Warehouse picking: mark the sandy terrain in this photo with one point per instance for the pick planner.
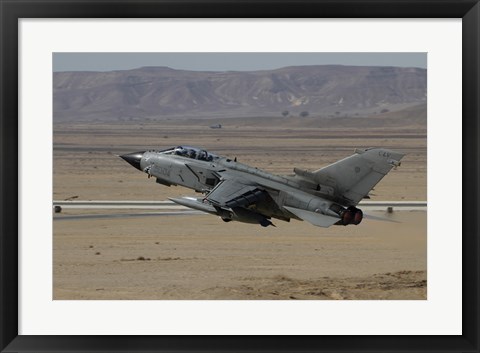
(201, 257)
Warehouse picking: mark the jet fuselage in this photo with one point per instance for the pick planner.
(236, 191)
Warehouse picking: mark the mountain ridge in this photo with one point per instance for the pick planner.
(156, 92)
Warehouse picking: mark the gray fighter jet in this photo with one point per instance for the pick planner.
(235, 191)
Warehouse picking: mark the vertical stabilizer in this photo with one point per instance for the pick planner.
(353, 177)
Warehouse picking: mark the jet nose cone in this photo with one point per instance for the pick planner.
(134, 158)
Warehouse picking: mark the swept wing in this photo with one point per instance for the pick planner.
(235, 192)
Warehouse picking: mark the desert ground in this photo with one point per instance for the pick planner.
(201, 257)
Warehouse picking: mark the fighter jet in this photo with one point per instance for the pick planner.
(238, 192)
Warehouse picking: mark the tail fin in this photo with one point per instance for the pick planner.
(353, 177)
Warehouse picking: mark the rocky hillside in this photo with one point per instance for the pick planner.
(157, 92)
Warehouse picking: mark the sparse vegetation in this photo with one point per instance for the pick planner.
(141, 258)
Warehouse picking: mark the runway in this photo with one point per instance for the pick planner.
(125, 215)
(169, 208)
(166, 204)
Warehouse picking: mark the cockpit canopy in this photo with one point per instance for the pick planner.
(191, 152)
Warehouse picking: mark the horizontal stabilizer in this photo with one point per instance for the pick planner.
(316, 219)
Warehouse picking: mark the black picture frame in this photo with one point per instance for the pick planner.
(12, 10)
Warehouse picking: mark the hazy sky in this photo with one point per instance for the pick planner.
(228, 61)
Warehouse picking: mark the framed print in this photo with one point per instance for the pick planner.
(98, 256)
